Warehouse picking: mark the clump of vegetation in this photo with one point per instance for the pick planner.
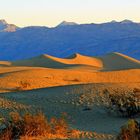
(130, 131)
(36, 126)
(115, 101)
(124, 104)
(23, 85)
(29, 125)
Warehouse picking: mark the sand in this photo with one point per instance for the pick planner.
(118, 61)
(57, 85)
(54, 62)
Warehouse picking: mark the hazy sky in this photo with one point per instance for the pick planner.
(52, 12)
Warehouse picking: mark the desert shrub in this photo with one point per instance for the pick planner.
(36, 126)
(33, 125)
(123, 104)
(23, 85)
(6, 134)
(59, 126)
(130, 131)
(136, 90)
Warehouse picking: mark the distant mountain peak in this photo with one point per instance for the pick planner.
(66, 23)
(126, 21)
(5, 27)
(2, 21)
(113, 21)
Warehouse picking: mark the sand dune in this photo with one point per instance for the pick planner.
(70, 91)
(109, 62)
(46, 77)
(4, 63)
(118, 61)
(54, 62)
(48, 71)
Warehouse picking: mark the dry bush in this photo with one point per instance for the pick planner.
(34, 125)
(119, 102)
(23, 85)
(130, 131)
(124, 104)
(59, 126)
(136, 90)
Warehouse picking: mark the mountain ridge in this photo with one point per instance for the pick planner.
(87, 39)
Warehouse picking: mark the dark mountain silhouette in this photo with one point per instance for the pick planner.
(61, 41)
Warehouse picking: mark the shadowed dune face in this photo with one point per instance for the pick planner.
(117, 61)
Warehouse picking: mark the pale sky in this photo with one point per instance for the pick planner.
(52, 12)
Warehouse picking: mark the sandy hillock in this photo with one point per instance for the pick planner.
(4, 63)
(109, 62)
(118, 61)
(48, 61)
(70, 85)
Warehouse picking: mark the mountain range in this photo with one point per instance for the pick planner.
(68, 38)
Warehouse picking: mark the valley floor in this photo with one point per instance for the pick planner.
(68, 89)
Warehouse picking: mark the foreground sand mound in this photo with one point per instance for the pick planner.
(118, 61)
(54, 62)
(4, 63)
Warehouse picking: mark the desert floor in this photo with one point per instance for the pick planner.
(56, 85)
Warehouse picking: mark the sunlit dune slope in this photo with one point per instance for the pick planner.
(46, 77)
(54, 62)
(4, 63)
(48, 71)
(118, 61)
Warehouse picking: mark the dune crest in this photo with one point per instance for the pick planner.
(118, 61)
(113, 61)
(54, 62)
